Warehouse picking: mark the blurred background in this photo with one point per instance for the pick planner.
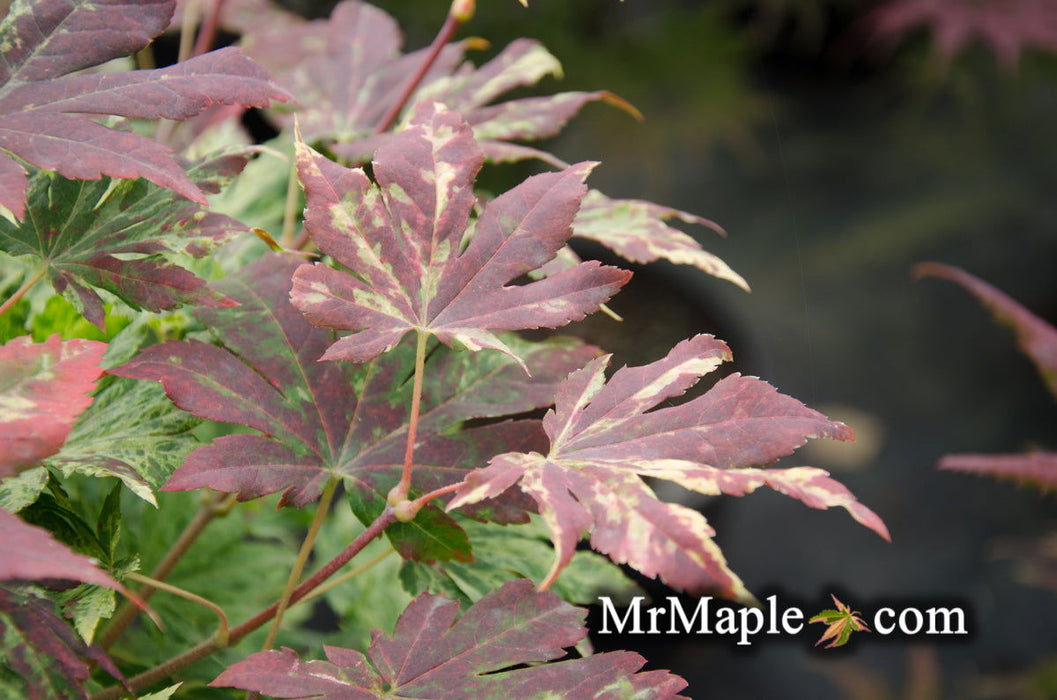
(839, 142)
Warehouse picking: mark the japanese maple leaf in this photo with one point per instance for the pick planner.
(43, 387)
(313, 420)
(1038, 340)
(840, 623)
(1009, 26)
(114, 235)
(43, 656)
(636, 230)
(412, 264)
(46, 106)
(497, 649)
(347, 72)
(604, 438)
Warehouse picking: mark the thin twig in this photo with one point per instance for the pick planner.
(286, 237)
(21, 291)
(208, 34)
(460, 13)
(217, 505)
(302, 559)
(347, 576)
(212, 645)
(154, 584)
(400, 491)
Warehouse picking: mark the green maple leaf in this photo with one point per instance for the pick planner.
(840, 623)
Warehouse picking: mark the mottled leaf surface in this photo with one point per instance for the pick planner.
(638, 231)
(43, 387)
(347, 71)
(604, 438)
(1009, 27)
(115, 235)
(132, 432)
(44, 659)
(431, 654)
(313, 420)
(46, 108)
(409, 265)
(1036, 337)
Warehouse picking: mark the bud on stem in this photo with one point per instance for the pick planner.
(462, 10)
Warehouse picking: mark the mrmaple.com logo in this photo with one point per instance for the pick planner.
(746, 625)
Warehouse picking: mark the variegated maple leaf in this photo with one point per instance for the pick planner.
(117, 234)
(348, 71)
(414, 263)
(604, 438)
(313, 420)
(43, 655)
(636, 230)
(45, 102)
(496, 650)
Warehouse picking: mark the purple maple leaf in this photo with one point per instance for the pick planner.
(431, 654)
(347, 71)
(411, 262)
(314, 420)
(604, 438)
(49, 660)
(46, 107)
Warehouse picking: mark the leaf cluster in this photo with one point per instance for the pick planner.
(246, 411)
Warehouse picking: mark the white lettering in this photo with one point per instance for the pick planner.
(947, 614)
(633, 612)
(676, 608)
(653, 613)
(744, 614)
(793, 613)
(920, 620)
(726, 624)
(883, 629)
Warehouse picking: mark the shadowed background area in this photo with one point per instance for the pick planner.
(836, 161)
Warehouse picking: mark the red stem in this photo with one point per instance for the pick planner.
(426, 498)
(208, 33)
(412, 423)
(447, 31)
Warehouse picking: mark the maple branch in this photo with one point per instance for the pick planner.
(461, 12)
(212, 645)
(347, 576)
(21, 291)
(218, 505)
(302, 559)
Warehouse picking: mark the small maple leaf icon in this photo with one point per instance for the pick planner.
(840, 623)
